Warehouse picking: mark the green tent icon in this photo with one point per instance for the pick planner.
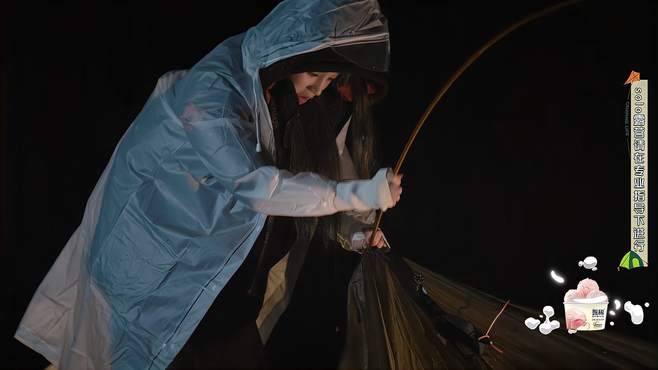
(631, 260)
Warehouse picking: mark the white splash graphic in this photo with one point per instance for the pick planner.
(617, 304)
(548, 326)
(636, 312)
(646, 304)
(557, 278)
(532, 323)
(612, 323)
(612, 313)
(588, 263)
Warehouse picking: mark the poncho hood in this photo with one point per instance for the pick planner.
(297, 36)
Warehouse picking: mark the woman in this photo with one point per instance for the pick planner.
(187, 192)
(306, 139)
(310, 332)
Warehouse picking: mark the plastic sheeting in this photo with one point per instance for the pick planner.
(185, 196)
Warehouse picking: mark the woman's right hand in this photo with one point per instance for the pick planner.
(382, 192)
(395, 186)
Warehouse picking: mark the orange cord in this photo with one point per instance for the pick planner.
(486, 335)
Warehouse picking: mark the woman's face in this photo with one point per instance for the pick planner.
(311, 84)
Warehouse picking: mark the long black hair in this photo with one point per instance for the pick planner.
(306, 139)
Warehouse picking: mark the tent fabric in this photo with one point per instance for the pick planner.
(388, 328)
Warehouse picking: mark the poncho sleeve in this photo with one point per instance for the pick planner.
(220, 129)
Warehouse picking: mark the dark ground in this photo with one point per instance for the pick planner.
(522, 167)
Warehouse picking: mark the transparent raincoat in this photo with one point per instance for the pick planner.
(186, 194)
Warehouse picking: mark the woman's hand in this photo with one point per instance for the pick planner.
(395, 186)
(379, 241)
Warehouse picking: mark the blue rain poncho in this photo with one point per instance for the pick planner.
(186, 194)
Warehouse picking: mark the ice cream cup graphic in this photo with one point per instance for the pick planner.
(586, 307)
(586, 314)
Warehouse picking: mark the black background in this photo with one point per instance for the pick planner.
(522, 167)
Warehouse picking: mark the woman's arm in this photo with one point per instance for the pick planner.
(223, 139)
(274, 191)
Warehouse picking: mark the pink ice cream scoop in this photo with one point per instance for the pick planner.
(587, 286)
(575, 319)
(573, 294)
